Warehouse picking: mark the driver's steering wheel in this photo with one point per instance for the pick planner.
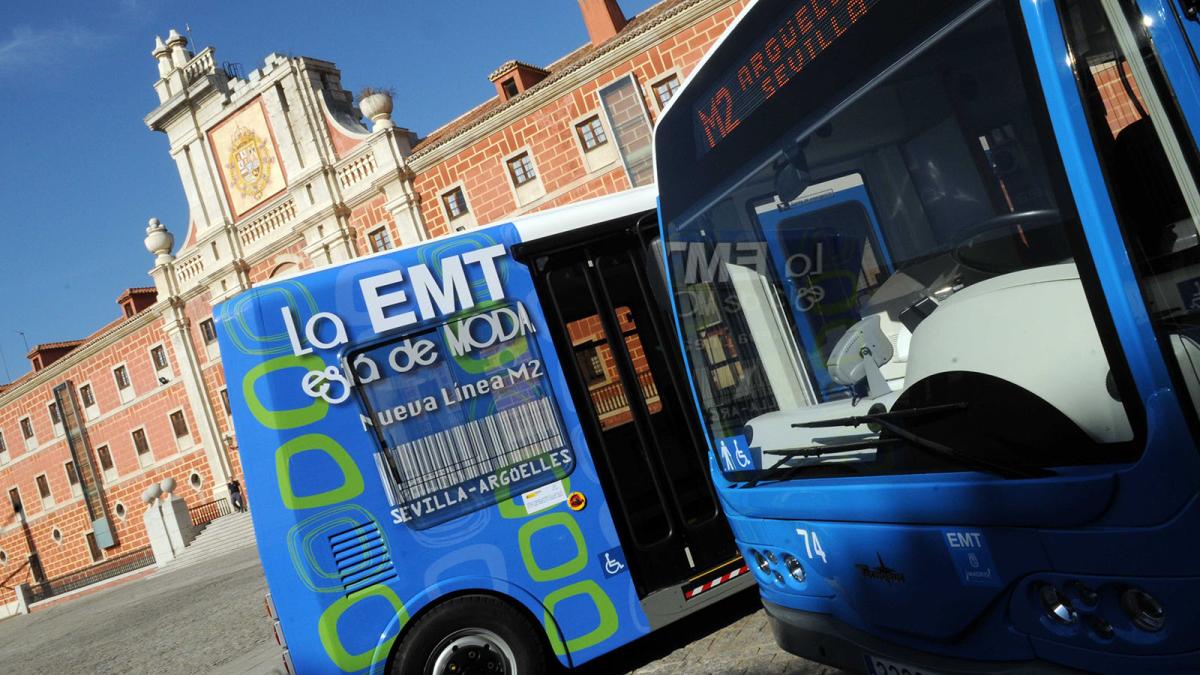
(1011, 223)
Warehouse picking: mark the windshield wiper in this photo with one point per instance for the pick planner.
(886, 420)
(869, 418)
(778, 470)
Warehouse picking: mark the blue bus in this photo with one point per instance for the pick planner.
(476, 454)
(936, 272)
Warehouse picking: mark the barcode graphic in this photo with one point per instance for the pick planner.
(473, 449)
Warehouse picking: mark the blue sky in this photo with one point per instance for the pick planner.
(80, 173)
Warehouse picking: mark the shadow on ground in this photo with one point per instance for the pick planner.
(729, 637)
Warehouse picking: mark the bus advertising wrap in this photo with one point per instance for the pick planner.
(404, 418)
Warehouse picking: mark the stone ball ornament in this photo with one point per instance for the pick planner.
(151, 493)
(159, 241)
(167, 485)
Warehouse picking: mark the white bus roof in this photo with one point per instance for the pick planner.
(589, 212)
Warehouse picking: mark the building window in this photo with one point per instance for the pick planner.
(43, 487)
(14, 498)
(380, 241)
(225, 401)
(85, 395)
(208, 331)
(629, 123)
(521, 169)
(591, 133)
(591, 365)
(93, 549)
(179, 424)
(3, 451)
(510, 88)
(106, 462)
(72, 477)
(455, 202)
(55, 418)
(158, 356)
(664, 89)
(121, 375)
(27, 428)
(141, 446)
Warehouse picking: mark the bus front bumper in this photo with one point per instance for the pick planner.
(824, 639)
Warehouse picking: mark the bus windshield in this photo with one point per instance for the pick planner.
(931, 183)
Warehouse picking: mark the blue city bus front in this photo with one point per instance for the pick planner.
(936, 273)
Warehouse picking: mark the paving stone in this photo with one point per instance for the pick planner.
(208, 619)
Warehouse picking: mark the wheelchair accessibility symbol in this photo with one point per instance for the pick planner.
(612, 562)
(736, 456)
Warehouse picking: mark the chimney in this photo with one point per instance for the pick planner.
(603, 18)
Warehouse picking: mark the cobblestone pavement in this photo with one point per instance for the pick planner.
(202, 619)
(209, 619)
(731, 638)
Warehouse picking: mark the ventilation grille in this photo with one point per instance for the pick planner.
(362, 557)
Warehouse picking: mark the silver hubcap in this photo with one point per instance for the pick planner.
(472, 651)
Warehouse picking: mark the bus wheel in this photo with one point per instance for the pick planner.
(471, 635)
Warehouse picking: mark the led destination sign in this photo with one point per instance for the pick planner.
(807, 29)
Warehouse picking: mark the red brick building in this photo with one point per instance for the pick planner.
(282, 173)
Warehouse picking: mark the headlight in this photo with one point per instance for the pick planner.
(1144, 610)
(1102, 627)
(1086, 594)
(793, 567)
(1057, 607)
(760, 562)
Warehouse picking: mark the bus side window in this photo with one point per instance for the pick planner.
(1149, 164)
(463, 415)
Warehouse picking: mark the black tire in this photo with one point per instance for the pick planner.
(472, 632)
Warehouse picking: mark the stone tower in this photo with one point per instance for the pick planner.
(269, 162)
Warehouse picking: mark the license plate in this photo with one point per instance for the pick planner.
(878, 666)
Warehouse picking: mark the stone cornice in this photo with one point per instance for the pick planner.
(157, 119)
(97, 343)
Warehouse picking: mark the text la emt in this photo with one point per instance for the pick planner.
(386, 293)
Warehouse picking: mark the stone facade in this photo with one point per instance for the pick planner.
(281, 173)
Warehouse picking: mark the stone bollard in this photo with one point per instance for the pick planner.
(156, 529)
(24, 593)
(176, 519)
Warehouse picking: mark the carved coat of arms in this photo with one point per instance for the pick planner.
(249, 163)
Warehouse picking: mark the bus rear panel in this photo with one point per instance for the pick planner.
(409, 432)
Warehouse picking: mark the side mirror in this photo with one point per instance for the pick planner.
(792, 176)
(859, 354)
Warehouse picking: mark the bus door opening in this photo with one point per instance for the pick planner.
(624, 368)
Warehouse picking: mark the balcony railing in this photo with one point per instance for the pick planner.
(101, 571)
(202, 64)
(356, 170)
(190, 267)
(203, 514)
(255, 231)
(611, 398)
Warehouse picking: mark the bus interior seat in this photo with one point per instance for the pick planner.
(1147, 192)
